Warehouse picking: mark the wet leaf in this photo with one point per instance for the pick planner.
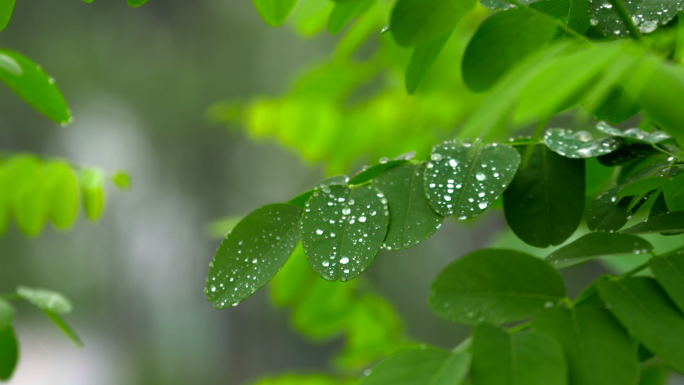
(495, 286)
(597, 245)
(45, 299)
(634, 133)
(598, 349)
(32, 84)
(501, 358)
(665, 223)
(412, 218)
(578, 144)
(424, 56)
(274, 12)
(343, 230)
(628, 153)
(9, 353)
(6, 314)
(420, 367)
(494, 50)
(372, 172)
(572, 13)
(6, 7)
(544, 204)
(647, 15)
(669, 271)
(462, 180)
(252, 253)
(643, 307)
(342, 14)
(416, 22)
(336, 180)
(607, 212)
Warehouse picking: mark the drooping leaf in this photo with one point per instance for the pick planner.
(653, 137)
(597, 245)
(372, 172)
(494, 49)
(62, 194)
(416, 22)
(46, 299)
(669, 271)
(6, 314)
(92, 192)
(252, 253)
(6, 7)
(572, 13)
(412, 218)
(9, 353)
(343, 230)
(343, 12)
(598, 349)
(578, 144)
(274, 12)
(665, 223)
(66, 329)
(642, 186)
(33, 85)
(462, 180)
(545, 202)
(420, 367)
(495, 286)
(501, 358)
(424, 56)
(643, 307)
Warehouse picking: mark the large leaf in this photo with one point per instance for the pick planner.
(495, 286)
(46, 299)
(462, 180)
(30, 82)
(598, 349)
(422, 59)
(501, 358)
(412, 218)
(343, 229)
(669, 271)
(665, 223)
(420, 367)
(572, 13)
(644, 308)
(6, 314)
(545, 202)
(6, 7)
(597, 245)
(415, 22)
(9, 353)
(578, 144)
(252, 253)
(274, 12)
(502, 41)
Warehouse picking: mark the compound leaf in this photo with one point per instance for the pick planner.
(597, 245)
(420, 367)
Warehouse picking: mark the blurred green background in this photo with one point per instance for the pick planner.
(139, 82)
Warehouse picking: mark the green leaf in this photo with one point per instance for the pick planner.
(572, 13)
(500, 358)
(424, 56)
(45, 299)
(579, 144)
(679, 51)
(336, 180)
(324, 311)
(274, 12)
(544, 204)
(343, 12)
(122, 180)
(628, 153)
(301, 199)
(420, 367)
(416, 22)
(597, 176)
(26, 193)
(642, 186)
(92, 192)
(653, 137)
(221, 227)
(495, 286)
(614, 108)
(136, 3)
(654, 375)
(665, 223)
(676, 185)
(68, 331)
(6, 7)
(647, 15)
(295, 379)
(597, 245)
(6, 314)
(62, 194)
(9, 353)
(669, 271)
(293, 281)
(33, 85)
(252, 253)
(598, 349)
(494, 49)
(462, 180)
(372, 172)
(5, 200)
(641, 305)
(412, 218)
(343, 230)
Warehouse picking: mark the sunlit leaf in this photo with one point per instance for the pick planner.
(324, 310)
(6, 7)
(597, 245)
(9, 353)
(343, 12)
(634, 133)
(122, 180)
(415, 22)
(92, 192)
(274, 12)
(616, 107)
(61, 193)
(419, 367)
(295, 379)
(578, 144)
(26, 194)
(46, 299)
(252, 253)
(495, 286)
(665, 223)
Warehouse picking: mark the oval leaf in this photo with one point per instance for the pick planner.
(274, 12)
(343, 230)
(462, 180)
(669, 271)
(252, 253)
(495, 286)
(6, 314)
(420, 367)
(6, 8)
(26, 193)
(423, 58)
(578, 144)
(642, 186)
(634, 133)
(415, 22)
(597, 245)
(412, 218)
(92, 192)
(9, 353)
(62, 194)
(666, 223)
(372, 172)
(136, 3)
(45, 299)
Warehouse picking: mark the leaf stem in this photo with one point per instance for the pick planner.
(530, 147)
(626, 19)
(558, 22)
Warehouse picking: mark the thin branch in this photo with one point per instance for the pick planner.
(626, 19)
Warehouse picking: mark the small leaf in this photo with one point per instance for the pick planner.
(500, 358)
(252, 253)
(92, 192)
(26, 193)
(669, 271)
(343, 230)
(136, 3)
(274, 12)
(424, 56)
(295, 379)
(6, 7)
(642, 186)
(6, 314)
(641, 305)
(9, 353)
(462, 180)
(416, 22)
(634, 133)
(294, 281)
(545, 202)
(412, 218)
(59, 322)
(665, 223)
(33, 85)
(46, 299)
(324, 311)
(598, 349)
(579, 144)
(494, 50)
(597, 245)
(495, 286)
(62, 194)
(420, 367)
(122, 180)
(372, 172)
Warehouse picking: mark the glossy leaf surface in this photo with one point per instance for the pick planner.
(46, 299)
(597, 245)
(578, 144)
(420, 367)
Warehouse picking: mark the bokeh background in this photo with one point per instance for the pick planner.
(140, 82)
